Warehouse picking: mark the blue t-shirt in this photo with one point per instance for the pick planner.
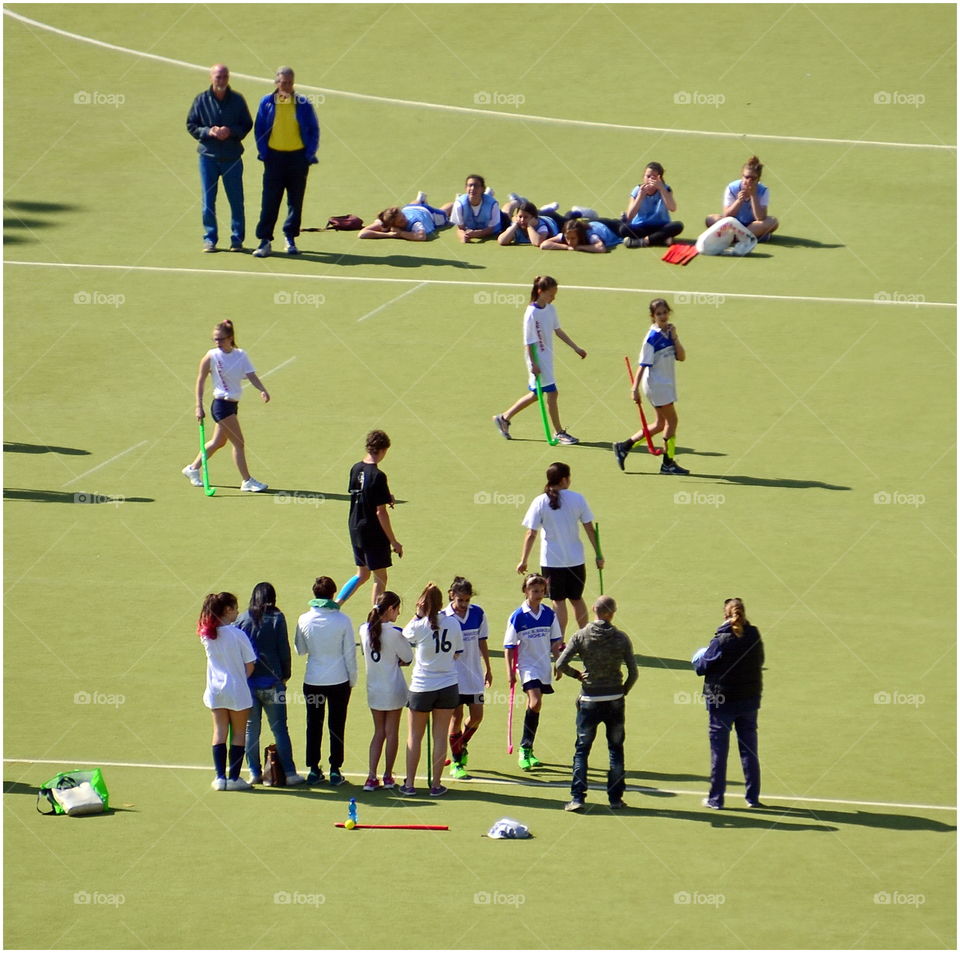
(652, 210)
(745, 212)
(419, 219)
(545, 226)
(604, 233)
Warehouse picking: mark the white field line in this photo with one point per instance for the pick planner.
(881, 302)
(105, 462)
(387, 304)
(505, 782)
(489, 113)
(273, 370)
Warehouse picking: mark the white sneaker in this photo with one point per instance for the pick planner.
(421, 198)
(561, 436)
(294, 779)
(291, 247)
(238, 785)
(252, 486)
(255, 778)
(262, 250)
(490, 192)
(552, 207)
(584, 212)
(193, 475)
(219, 784)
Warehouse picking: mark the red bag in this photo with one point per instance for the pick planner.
(273, 773)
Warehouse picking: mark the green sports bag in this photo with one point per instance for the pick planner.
(74, 792)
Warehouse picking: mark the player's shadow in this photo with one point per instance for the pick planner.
(897, 822)
(347, 260)
(718, 819)
(782, 482)
(306, 497)
(38, 448)
(17, 228)
(793, 241)
(669, 777)
(61, 496)
(657, 661)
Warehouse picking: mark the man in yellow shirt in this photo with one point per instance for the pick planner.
(287, 134)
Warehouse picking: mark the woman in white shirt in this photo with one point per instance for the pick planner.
(384, 651)
(230, 660)
(228, 365)
(325, 636)
(557, 514)
(434, 685)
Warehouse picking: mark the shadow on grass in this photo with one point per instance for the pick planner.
(726, 479)
(38, 448)
(653, 661)
(61, 496)
(346, 260)
(17, 228)
(896, 822)
(793, 241)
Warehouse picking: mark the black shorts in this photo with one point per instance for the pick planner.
(536, 683)
(564, 582)
(439, 698)
(372, 555)
(221, 407)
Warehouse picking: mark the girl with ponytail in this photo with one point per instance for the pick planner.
(434, 685)
(384, 651)
(557, 515)
(540, 324)
(732, 666)
(746, 200)
(230, 660)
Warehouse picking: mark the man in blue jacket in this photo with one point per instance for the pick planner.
(219, 119)
(287, 135)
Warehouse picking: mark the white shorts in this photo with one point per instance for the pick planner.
(660, 393)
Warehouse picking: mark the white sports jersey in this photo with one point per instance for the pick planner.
(659, 357)
(228, 372)
(386, 688)
(539, 326)
(435, 667)
(226, 670)
(560, 543)
(470, 667)
(533, 634)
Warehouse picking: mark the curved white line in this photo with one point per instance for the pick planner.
(469, 110)
(722, 295)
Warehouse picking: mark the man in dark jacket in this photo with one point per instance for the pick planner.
(219, 119)
(603, 649)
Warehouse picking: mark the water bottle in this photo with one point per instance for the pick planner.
(352, 811)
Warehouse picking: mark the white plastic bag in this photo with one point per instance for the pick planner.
(509, 829)
(727, 237)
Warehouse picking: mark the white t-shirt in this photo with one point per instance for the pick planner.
(386, 687)
(227, 656)
(435, 667)
(560, 543)
(539, 326)
(325, 636)
(470, 667)
(228, 372)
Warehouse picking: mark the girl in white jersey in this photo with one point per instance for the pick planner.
(473, 672)
(228, 366)
(230, 660)
(656, 373)
(384, 651)
(434, 685)
(557, 515)
(540, 324)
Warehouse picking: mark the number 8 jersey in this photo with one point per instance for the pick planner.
(434, 667)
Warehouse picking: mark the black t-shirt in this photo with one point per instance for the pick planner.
(368, 490)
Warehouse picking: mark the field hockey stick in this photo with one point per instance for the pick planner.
(656, 451)
(543, 407)
(209, 490)
(596, 529)
(513, 695)
(429, 756)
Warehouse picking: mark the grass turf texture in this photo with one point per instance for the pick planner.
(792, 418)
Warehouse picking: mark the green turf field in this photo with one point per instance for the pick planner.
(816, 417)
